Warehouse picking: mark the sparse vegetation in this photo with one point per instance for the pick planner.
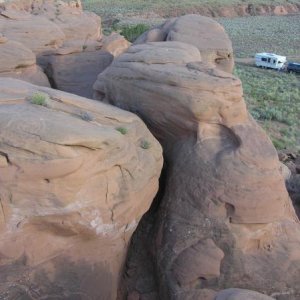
(145, 144)
(39, 99)
(131, 32)
(122, 130)
(278, 34)
(273, 100)
(107, 8)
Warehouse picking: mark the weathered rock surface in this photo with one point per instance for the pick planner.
(223, 217)
(115, 44)
(35, 32)
(17, 61)
(239, 294)
(67, 41)
(214, 44)
(76, 72)
(71, 19)
(291, 161)
(72, 190)
(44, 26)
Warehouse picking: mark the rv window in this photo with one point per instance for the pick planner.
(263, 59)
(269, 59)
(274, 61)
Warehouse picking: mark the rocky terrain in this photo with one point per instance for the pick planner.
(73, 189)
(62, 38)
(162, 187)
(213, 227)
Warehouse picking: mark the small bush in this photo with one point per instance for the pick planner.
(145, 144)
(39, 99)
(132, 32)
(122, 130)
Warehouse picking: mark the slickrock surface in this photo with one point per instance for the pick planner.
(204, 33)
(76, 72)
(44, 26)
(75, 179)
(115, 44)
(222, 217)
(67, 41)
(17, 61)
(239, 294)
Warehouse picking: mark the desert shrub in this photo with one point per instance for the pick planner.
(132, 32)
(145, 144)
(39, 99)
(122, 130)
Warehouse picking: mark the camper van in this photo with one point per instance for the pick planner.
(270, 60)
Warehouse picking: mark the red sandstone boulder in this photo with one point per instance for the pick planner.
(115, 44)
(17, 61)
(204, 33)
(35, 32)
(71, 19)
(75, 73)
(67, 41)
(75, 180)
(223, 217)
(239, 294)
(44, 26)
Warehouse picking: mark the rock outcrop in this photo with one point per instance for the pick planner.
(239, 294)
(36, 32)
(67, 41)
(115, 44)
(222, 217)
(291, 165)
(76, 72)
(17, 61)
(75, 179)
(214, 44)
(44, 26)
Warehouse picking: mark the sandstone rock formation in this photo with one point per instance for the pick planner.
(214, 45)
(44, 26)
(76, 72)
(239, 294)
(35, 32)
(67, 41)
(115, 44)
(75, 180)
(19, 62)
(291, 161)
(222, 217)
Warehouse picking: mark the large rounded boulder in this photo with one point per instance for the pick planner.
(76, 177)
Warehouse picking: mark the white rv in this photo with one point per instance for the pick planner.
(270, 60)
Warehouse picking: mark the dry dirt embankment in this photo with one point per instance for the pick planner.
(158, 11)
(235, 10)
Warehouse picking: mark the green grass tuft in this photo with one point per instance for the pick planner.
(39, 99)
(132, 32)
(122, 130)
(145, 144)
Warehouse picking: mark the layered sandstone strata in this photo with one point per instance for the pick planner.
(17, 61)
